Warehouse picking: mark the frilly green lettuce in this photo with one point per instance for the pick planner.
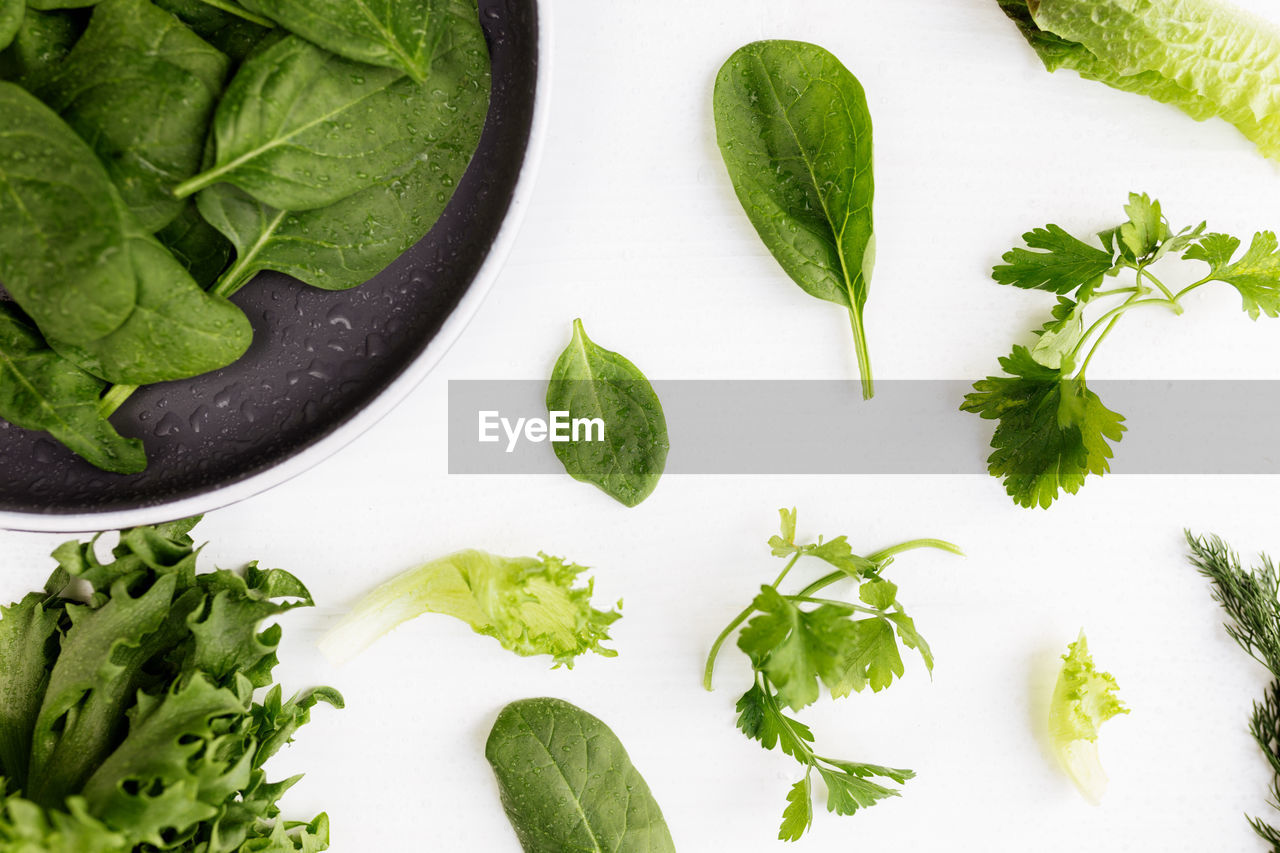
(1083, 700)
(527, 604)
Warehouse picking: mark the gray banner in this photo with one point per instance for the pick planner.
(910, 427)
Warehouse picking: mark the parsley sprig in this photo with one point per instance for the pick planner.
(1053, 431)
(797, 642)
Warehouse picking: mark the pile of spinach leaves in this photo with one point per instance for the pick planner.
(154, 157)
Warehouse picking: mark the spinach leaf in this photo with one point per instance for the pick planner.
(197, 245)
(226, 30)
(402, 34)
(140, 88)
(40, 390)
(62, 245)
(177, 330)
(795, 133)
(40, 45)
(595, 800)
(590, 382)
(11, 15)
(300, 128)
(51, 5)
(347, 243)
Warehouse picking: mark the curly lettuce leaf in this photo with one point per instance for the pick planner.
(528, 604)
(1083, 700)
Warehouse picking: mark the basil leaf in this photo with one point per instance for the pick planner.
(795, 133)
(300, 128)
(401, 34)
(62, 245)
(176, 330)
(42, 391)
(140, 88)
(347, 243)
(590, 382)
(594, 800)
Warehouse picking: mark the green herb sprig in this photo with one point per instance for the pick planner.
(798, 641)
(1053, 431)
(1252, 600)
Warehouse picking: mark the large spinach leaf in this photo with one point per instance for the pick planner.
(62, 252)
(347, 243)
(592, 383)
(300, 128)
(568, 785)
(795, 134)
(41, 390)
(140, 88)
(403, 34)
(177, 330)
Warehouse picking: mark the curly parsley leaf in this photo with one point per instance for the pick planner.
(1059, 264)
(1052, 432)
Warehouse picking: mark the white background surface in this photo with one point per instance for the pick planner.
(633, 227)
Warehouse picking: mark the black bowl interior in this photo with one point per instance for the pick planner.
(317, 357)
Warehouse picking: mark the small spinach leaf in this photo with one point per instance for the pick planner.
(594, 800)
(590, 382)
(347, 243)
(140, 88)
(402, 34)
(795, 133)
(197, 245)
(62, 245)
(40, 390)
(177, 330)
(300, 128)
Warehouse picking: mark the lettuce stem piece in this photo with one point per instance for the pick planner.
(528, 604)
(1083, 700)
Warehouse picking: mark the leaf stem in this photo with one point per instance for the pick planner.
(843, 605)
(235, 277)
(114, 398)
(864, 356)
(240, 12)
(1143, 271)
(879, 557)
(915, 544)
(1193, 286)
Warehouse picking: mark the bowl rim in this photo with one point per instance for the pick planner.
(395, 392)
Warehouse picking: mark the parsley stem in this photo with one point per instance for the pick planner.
(738, 620)
(1192, 286)
(878, 558)
(843, 605)
(1142, 270)
(1113, 292)
(1109, 318)
(914, 544)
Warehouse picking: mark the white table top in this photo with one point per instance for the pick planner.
(633, 226)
